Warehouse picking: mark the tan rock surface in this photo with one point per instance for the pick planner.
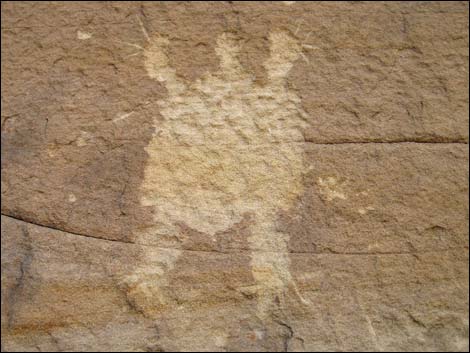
(234, 176)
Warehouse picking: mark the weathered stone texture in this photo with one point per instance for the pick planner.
(235, 176)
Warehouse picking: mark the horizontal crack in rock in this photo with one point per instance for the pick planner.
(63, 230)
(231, 251)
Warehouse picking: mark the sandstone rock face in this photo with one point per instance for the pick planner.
(234, 176)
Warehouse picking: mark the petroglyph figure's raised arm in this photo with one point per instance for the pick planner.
(157, 64)
(285, 50)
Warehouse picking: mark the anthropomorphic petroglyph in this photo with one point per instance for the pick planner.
(226, 147)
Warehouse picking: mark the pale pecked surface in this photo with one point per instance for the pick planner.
(235, 176)
(226, 147)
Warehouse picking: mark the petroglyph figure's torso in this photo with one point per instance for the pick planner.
(226, 147)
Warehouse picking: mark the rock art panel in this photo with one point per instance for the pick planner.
(226, 148)
(234, 176)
